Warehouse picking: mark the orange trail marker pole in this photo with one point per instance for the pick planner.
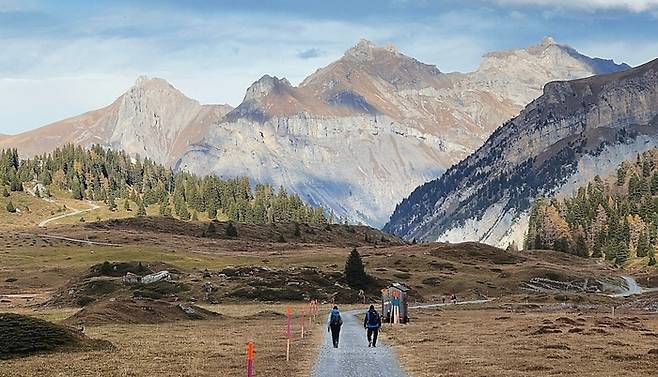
(250, 359)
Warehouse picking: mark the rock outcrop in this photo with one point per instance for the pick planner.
(573, 132)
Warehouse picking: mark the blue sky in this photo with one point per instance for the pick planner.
(61, 58)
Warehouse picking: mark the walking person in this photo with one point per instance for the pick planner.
(372, 322)
(335, 322)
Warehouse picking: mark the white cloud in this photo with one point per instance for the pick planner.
(632, 5)
(211, 58)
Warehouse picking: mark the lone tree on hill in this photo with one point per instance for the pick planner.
(10, 207)
(355, 273)
(231, 231)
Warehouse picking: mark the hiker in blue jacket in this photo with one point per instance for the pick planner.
(335, 322)
(372, 322)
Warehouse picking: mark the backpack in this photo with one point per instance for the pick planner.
(373, 318)
(335, 319)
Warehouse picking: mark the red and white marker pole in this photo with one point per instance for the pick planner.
(250, 359)
(289, 333)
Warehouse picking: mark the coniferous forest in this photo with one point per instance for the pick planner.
(615, 217)
(116, 178)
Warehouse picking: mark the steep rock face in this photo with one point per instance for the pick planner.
(356, 135)
(574, 131)
(152, 119)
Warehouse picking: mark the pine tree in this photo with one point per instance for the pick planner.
(643, 245)
(231, 231)
(298, 232)
(165, 210)
(580, 248)
(355, 274)
(15, 184)
(211, 230)
(141, 210)
(111, 204)
(621, 253)
(5, 193)
(76, 189)
(10, 207)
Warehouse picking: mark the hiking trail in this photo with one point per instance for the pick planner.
(353, 358)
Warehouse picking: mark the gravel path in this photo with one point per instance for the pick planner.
(353, 358)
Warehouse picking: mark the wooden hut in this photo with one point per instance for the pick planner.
(395, 307)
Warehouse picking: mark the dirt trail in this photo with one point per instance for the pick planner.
(92, 207)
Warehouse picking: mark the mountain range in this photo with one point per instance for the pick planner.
(575, 131)
(355, 136)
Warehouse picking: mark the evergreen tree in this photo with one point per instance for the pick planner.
(580, 247)
(231, 230)
(141, 210)
(355, 274)
(211, 230)
(643, 245)
(5, 193)
(165, 210)
(10, 207)
(16, 184)
(76, 189)
(111, 204)
(621, 253)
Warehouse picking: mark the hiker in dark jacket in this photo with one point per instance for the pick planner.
(372, 322)
(335, 322)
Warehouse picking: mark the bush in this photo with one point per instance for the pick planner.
(10, 207)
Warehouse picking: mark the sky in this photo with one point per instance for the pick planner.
(62, 58)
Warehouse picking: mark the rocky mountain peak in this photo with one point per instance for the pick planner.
(547, 41)
(365, 51)
(152, 83)
(266, 85)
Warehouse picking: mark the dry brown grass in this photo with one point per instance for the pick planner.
(497, 342)
(183, 348)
